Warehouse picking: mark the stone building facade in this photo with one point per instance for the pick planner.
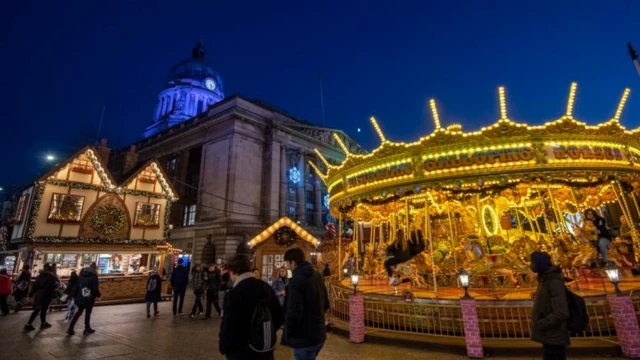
(238, 167)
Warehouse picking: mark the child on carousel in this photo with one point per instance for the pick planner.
(596, 231)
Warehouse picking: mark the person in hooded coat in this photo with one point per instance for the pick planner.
(85, 293)
(42, 292)
(305, 305)
(21, 287)
(550, 308)
(154, 288)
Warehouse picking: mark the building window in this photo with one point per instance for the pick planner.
(189, 215)
(147, 215)
(66, 208)
(22, 208)
(171, 165)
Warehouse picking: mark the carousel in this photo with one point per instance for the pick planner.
(411, 216)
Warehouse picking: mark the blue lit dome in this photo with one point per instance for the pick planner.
(195, 68)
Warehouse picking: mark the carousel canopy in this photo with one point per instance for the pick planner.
(498, 157)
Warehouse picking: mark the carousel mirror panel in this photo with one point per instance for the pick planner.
(66, 208)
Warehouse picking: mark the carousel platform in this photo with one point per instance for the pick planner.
(587, 285)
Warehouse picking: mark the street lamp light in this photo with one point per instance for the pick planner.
(50, 157)
(614, 275)
(464, 282)
(354, 282)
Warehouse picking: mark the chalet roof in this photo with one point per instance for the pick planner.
(285, 221)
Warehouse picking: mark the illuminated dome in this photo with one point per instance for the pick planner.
(192, 86)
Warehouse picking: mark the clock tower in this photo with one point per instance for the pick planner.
(191, 87)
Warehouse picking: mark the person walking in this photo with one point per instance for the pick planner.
(68, 292)
(241, 302)
(213, 280)
(179, 281)
(154, 288)
(85, 293)
(42, 292)
(5, 291)
(199, 284)
(306, 303)
(279, 284)
(550, 308)
(21, 287)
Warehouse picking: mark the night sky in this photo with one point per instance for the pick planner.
(62, 61)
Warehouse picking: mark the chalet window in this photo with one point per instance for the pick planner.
(82, 165)
(22, 208)
(189, 215)
(66, 208)
(147, 176)
(147, 215)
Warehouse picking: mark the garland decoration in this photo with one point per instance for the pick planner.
(285, 236)
(80, 240)
(107, 219)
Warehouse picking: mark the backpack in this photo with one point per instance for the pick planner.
(578, 315)
(23, 285)
(262, 336)
(153, 283)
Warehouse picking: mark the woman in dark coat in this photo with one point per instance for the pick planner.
(154, 288)
(43, 292)
(21, 287)
(550, 308)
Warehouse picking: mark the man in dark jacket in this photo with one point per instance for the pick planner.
(550, 308)
(85, 293)
(21, 287)
(238, 308)
(213, 287)
(179, 282)
(42, 293)
(305, 304)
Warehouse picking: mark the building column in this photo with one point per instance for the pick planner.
(300, 198)
(283, 181)
(163, 106)
(158, 109)
(317, 200)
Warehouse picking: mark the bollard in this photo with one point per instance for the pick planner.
(356, 318)
(626, 322)
(471, 329)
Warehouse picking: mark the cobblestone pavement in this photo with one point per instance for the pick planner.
(124, 332)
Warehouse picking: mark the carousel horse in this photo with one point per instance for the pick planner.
(563, 254)
(370, 265)
(478, 262)
(523, 248)
(587, 253)
(618, 252)
(350, 254)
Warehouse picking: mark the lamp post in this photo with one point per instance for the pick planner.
(614, 276)
(464, 282)
(355, 278)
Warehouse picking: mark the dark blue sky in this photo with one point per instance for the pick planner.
(61, 63)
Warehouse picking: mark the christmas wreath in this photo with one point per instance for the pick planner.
(107, 219)
(285, 236)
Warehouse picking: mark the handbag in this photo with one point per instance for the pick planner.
(64, 298)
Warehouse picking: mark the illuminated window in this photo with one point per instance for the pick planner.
(147, 215)
(189, 215)
(66, 208)
(147, 176)
(22, 208)
(82, 164)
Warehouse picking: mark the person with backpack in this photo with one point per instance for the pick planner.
(42, 292)
(21, 287)
(550, 315)
(199, 285)
(251, 315)
(154, 288)
(85, 293)
(5, 291)
(306, 303)
(213, 288)
(179, 281)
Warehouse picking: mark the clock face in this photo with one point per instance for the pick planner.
(210, 84)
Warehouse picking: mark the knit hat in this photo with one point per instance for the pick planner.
(540, 262)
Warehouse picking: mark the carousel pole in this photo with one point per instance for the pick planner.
(547, 224)
(339, 269)
(453, 238)
(560, 223)
(407, 231)
(356, 238)
(625, 206)
(427, 221)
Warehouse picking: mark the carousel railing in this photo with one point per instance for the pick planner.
(499, 321)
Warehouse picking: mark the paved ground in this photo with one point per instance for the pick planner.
(124, 332)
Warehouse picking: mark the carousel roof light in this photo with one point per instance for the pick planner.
(434, 113)
(571, 100)
(377, 128)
